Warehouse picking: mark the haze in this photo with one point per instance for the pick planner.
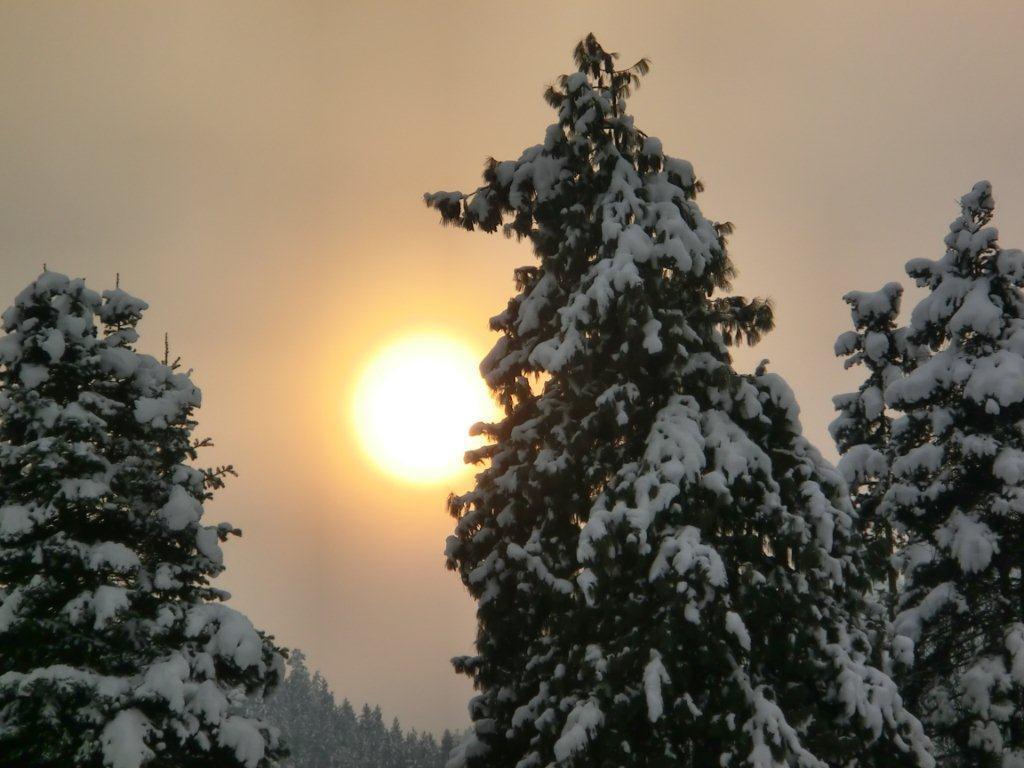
(254, 170)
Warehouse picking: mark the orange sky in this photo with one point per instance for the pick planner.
(254, 170)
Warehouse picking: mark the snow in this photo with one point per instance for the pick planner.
(866, 306)
(876, 345)
(232, 636)
(534, 303)
(119, 361)
(124, 740)
(782, 396)
(652, 147)
(847, 343)
(1009, 466)
(736, 456)
(652, 342)
(164, 577)
(1015, 648)
(1010, 264)
(675, 452)
(119, 306)
(979, 198)
(978, 683)
(33, 375)
(208, 702)
(910, 622)
(181, 510)
(767, 726)
(107, 602)
(77, 607)
(158, 411)
(580, 727)
(112, 555)
(977, 445)
(675, 445)
(903, 650)
(53, 344)
(10, 347)
(243, 738)
(106, 686)
(172, 394)
(535, 565)
(861, 463)
(970, 541)
(468, 749)
(923, 458)
(15, 520)
(681, 168)
(208, 544)
(575, 81)
(821, 512)
(74, 488)
(977, 312)
(74, 413)
(999, 376)
(872, 402)
(655, 676)
(734, 625)
(9, 608)
(874, 698)
(48, 282)
(685, 552)
(166, 680)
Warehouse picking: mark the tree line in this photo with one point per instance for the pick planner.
(322, 733)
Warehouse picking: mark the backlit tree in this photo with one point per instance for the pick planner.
(666, 572)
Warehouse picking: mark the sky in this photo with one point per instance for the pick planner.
(254, 170)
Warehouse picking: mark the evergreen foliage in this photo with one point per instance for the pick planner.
(666, 572)
(862, 430)
(957, 492)
(321, 733)
(116, 649)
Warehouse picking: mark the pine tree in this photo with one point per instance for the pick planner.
(347, 727)
(863, 428)
(323, 734)
(394, 755)
(371, 735)
(116, 649)
(447, 745)
(303, 708)
(666, 572)
(958, 495)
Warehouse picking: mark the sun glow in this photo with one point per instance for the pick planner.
(414, 404)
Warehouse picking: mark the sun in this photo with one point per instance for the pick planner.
(414, 404)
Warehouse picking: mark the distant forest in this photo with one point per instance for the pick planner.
(322, 733)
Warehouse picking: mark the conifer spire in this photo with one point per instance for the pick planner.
(117, 650)
(957, 492)
(666, 572)
(862, 430)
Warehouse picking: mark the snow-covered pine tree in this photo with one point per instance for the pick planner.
(116, 650)
(863, 427)
(958, 494)
(666, 572)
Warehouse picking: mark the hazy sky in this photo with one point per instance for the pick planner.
(254, 170)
